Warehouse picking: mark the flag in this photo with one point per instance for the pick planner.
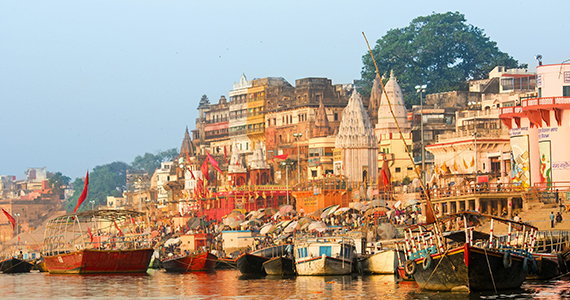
(473, 161)
(133, 220)
(90, 234)
(83, 194)
(214, 163)
(282, 156)
(436, 169)
(189, 169)
(119, 229)
(10, 218)
(465, 164)
(226, 154)
(264, 196)
(430, 216)
(444, 168)
(455, 165)
(204, 169)
(384, 178)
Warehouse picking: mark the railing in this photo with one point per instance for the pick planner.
(474, 189)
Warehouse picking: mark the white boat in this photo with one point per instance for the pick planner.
(381, 261)
(324, 255)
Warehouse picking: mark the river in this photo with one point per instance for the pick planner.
(230, 284)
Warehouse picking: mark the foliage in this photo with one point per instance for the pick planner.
(56, 182)
(150, 162)
(106, 180)
(440, 50)
(292, 163)
(406, 180)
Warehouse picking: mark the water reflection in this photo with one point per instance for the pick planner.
(230, 284)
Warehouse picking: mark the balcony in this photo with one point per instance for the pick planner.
(468, 134)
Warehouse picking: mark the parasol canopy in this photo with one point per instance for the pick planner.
(285, 209)
(318, 226)
(267, 228)
(171, 242)
(291, 227)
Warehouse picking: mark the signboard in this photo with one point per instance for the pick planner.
(482, 179)
(567, 77)
(337, 154)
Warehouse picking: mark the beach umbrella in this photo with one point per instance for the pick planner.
(291, 227)
(267, 228)
(154, 233)
(343, 210)
(318, 226)
(329, 210)
(235, 213)
(270, 211)
(305, 220)
(285, 209)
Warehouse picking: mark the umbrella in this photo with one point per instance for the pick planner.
(235, 213)
(193, 223)
(154, 233)
(251, 222)
(285, 209)
(291, 227)
(267, 228)
(304, 221)
(329, 210)
(318, 226)
(270, 211)
(343, 210)
(171, 242)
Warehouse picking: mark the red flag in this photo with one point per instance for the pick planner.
(226, 154)
(133, 220)
(10, 218)
(214, 163)
(204, 169)
(430, 216)
(189, 170)
(384, 178)
(83, 194)
(90, 234)
(282, 156)
(119, 229)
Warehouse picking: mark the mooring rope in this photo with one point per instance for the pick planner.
(490, 271)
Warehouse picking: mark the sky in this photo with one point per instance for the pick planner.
(87, 83)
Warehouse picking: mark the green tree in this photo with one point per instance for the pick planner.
(57, 182)
(150, 162)
(106, 180)
(440, 50)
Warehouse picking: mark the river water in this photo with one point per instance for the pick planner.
(230, 284)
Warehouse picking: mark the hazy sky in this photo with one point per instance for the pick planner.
(86, 83)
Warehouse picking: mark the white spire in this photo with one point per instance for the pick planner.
(355, 130)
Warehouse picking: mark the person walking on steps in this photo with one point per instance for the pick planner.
(551, 219)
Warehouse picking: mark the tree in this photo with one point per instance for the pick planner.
(150, 162)
(57, 182)
(106, 180)
(440, 50)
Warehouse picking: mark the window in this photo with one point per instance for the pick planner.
(410, 169)
(566, 91)
(398, 170)
(336, 116)
(313, 173)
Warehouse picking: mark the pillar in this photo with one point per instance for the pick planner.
(499, 207)
(510, 207)
(457, 206)
(478, 204)
(449, 210)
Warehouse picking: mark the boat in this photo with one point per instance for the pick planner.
(15, 265)
(204, 261)
(470, 260)
(252, 263)
(381, 261)
(280, 266)
(40, 265)
(330, 255)
(155, 262)
(97, 241)
(547, 267)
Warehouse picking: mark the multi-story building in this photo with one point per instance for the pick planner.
(238, 115)
(539, 130)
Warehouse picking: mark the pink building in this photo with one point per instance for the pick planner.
(540, 130)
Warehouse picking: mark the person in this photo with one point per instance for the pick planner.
(551, 219)
(21, 255)
(558, 217)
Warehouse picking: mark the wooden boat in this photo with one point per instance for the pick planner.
(324, 255)
(101, 241)
(383, 261)
(40, 265)
(279, 266)
(252, 263)
(204, 261)
(477, 261)
(226, 263)
(15, 265)
(546, 267)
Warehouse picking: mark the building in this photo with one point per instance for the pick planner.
(539, 128)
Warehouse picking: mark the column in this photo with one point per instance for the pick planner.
(510, 207)
(499, 207)
(457, 206)
(449, 210)
(478, 204)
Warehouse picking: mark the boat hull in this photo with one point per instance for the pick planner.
(547, 265)
(194, 262)
(90, 261)
(324, 265)
(250, 264)
(384, 262)
(279, 266)
(484, 270)
(14, 265)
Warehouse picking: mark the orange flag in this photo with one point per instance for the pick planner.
(430, 216)
(473, 161)
(465, 164)
(10, 218)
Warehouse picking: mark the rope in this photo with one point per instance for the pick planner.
(434, 269)
(491, 272)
